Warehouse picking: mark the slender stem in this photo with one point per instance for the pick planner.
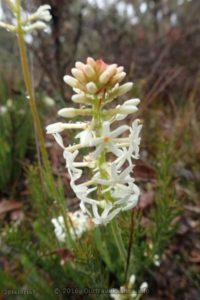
(118, 240)
(129, 246)
(47, 175)
(31, 98)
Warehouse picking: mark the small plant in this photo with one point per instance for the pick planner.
(109, 189)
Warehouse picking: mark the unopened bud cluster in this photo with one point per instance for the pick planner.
(25, 21)
(109, 148)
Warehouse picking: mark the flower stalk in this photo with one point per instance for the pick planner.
(30, 96)
(24, 22)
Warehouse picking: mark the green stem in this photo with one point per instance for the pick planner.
(118, 240)
(47, 175)
(129, 245)
(31, 98)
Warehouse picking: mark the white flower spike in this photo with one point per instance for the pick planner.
(28, 22)
(108, 151)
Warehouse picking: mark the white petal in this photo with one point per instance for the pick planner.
(98, 151)
(118, 131)
(132, 102)
(106, 128)
(114, 149)
(59, 140)
(85, 137)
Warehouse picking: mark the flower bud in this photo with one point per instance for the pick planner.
(79, 98)
(91, 87)
(79, 65)
(118, 77)
(120, 69)
(7, 26)
(70, 81)
(55, 128)
(127, 109)
(78, 74)
(125, 88)
(91, 62)
(42, 13)
(89, 71)
(107, 74)
(132, 102)
(36, 25)
(67, 112)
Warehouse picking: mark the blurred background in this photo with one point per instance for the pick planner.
(158, 43)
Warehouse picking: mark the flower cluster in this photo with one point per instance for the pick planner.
(110, 149)
(127, 292)
(77, 222)
(28, 22)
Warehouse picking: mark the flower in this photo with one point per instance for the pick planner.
(130, 145)
(42, 13)
(74, 172)
(85, 137)
(107, 153)
(59, 228)
(77, 221)
(106, 140)
(114, 176)
(106, 216)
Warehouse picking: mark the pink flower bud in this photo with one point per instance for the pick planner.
(108, 73)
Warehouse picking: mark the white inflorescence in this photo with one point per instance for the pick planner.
(28, 22)
(77, 221)
(110, 149)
